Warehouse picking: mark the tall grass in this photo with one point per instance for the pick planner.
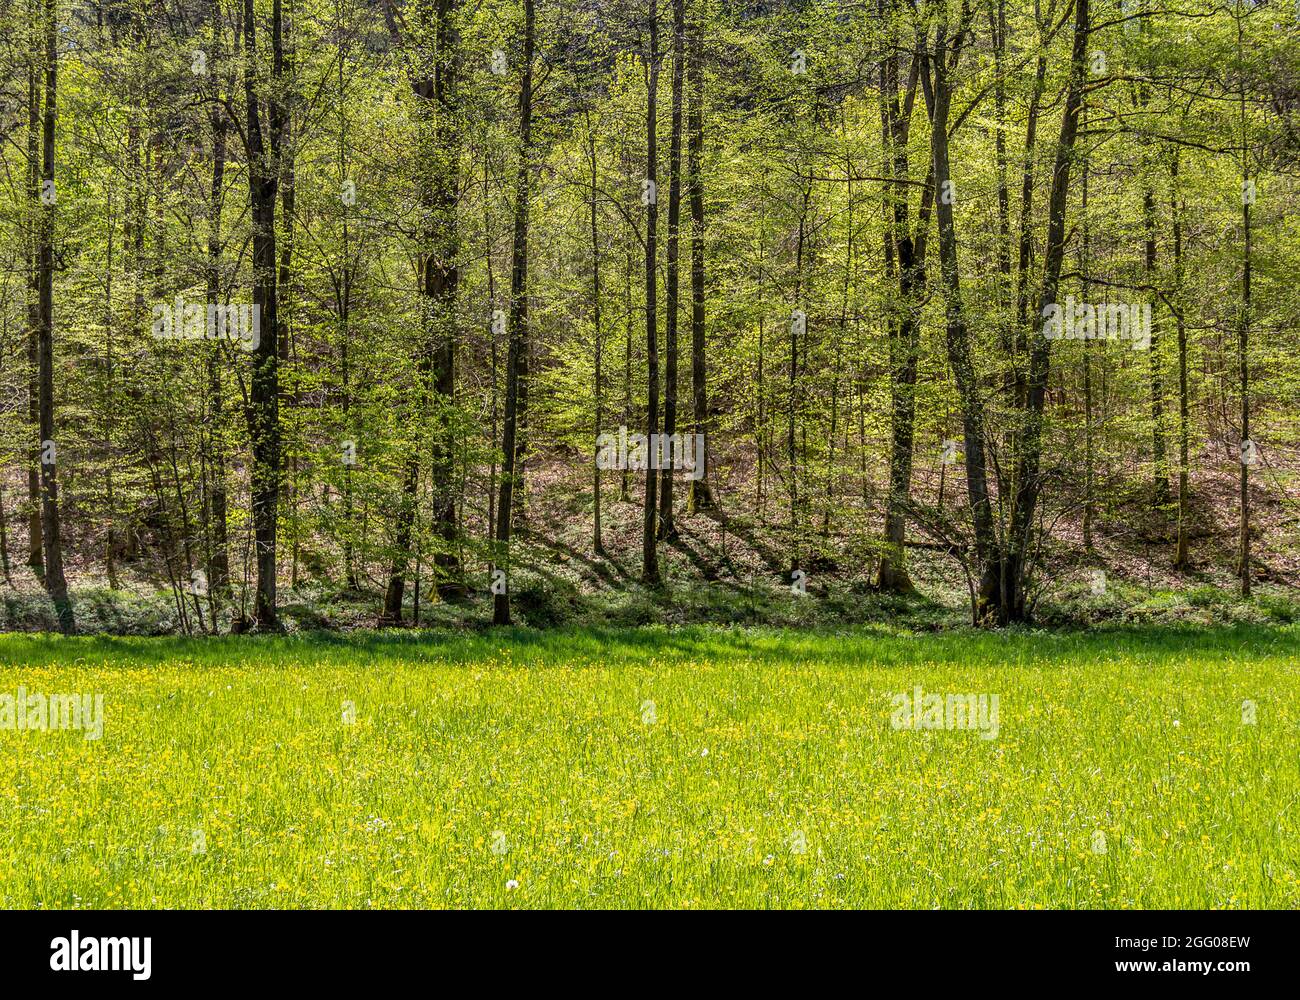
(656, 767)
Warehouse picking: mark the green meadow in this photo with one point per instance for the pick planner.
(697, 767)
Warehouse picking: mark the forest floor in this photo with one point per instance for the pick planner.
(731, 564)
(689, 767)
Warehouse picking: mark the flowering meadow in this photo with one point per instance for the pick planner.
(656, 767)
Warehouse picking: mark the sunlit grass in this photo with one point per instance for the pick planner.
(227, 776)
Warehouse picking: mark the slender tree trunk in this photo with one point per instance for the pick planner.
(489, 254)
(997, 14)
(667, 529)
(649, 527)
(4, 539)
(1085, 266)
(629, 319)
(701, 493)
(56, 584)
(957, 331)
(343, 293)
(798, 327)
(219, 553)
(1028, 486)
(828, 493)
(408, 500)
(1159, 455)
(760, 396)
(264, 402)
(1248, 451)
(36, 553)
(1182, 558)
(1159, 452)
(908, 255)
(403, 527)
(598, 336)
(441, 282)
(288, 193)
(1018, 345)
(438, 183)
(518, 324)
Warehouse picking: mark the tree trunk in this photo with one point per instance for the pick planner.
(1182, 559)
(701, 494)
(1085, 266)
(36, 556)
(1247, 452)
(1159, 455)
(667, 529)
(625, 477)
(56, 584)
(218, 546)
(956, 331)
(441, 282)
(649, 527)
(438, 183)
(1008, 587)
(518, 325)
(597, 545)
(798, 328)
(264, 400)
(904, 328)
(1159, 452)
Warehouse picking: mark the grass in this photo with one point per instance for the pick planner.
(226, 775)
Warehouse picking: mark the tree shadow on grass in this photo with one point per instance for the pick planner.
(865, 647)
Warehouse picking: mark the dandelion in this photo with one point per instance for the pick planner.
(512, 884)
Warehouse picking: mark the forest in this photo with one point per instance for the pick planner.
(651, 454)
(321, 311)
